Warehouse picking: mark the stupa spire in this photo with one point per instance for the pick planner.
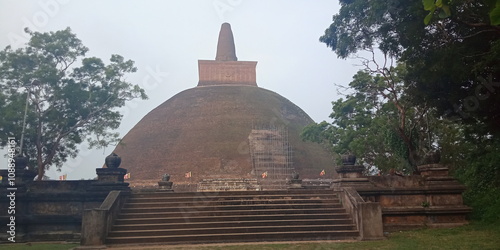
(226, 69)
(225, 46)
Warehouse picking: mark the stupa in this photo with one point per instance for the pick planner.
(225, 127)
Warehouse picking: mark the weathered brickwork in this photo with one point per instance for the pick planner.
(226, 73)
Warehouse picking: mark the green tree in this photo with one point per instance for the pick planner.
(453, 63)
(70, 97)
(451, 53)
(474, 161)
(442, 9)
(378, 123)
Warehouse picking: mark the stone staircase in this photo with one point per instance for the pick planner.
(234, 216)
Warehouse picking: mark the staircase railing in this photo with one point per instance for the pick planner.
(97, 222)
(366, 215)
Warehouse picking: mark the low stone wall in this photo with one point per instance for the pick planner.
(50, 210)
(417, 201)
(432, 199)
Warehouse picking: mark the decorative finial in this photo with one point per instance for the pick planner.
(225, 46)
(113, 160)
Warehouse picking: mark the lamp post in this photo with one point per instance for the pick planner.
(33, 83)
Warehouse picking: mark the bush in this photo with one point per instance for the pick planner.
(482, 177)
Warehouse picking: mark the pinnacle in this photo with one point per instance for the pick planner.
(225, 46)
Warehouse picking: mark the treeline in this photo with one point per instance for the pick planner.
(429, 91)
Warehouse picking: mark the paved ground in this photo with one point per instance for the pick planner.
(196, 246)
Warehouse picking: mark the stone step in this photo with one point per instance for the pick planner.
(229, 230)
(233, 216)
(158, 225)
(237, 237)
(235, 208)
(228, 180)
(216, 203)
(203, 198)
(339, 217)
(274, 193)
(194, 212)
(203, 188)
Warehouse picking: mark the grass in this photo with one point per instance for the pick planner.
(473, 236)
(38, 246)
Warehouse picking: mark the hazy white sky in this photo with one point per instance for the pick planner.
(165, 38)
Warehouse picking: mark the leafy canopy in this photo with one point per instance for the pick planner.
(450, 50)
(378, 123)
(71, 98)
(453, 62)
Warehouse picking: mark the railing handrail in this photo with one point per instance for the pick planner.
(97, 222)
(366, 215)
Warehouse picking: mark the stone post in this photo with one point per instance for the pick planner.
(350, 175)
(112, 177)
(165, 184)
(433, 170)
(295, 182)
(19, 175)
(15, 183)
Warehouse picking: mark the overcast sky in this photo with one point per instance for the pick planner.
(166, 38)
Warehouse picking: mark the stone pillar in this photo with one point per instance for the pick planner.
(350, 171)
(165, 184)
(295, 182)
(16, 180)
(436, 174)
(21, 179)
(350, 175)
(433, 170)
(19, 176)
(112, 177)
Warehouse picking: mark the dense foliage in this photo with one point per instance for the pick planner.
(442, 94)
(378, 122)
(70, 97)
(453, 63)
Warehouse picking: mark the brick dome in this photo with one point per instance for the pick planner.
(206, 130)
